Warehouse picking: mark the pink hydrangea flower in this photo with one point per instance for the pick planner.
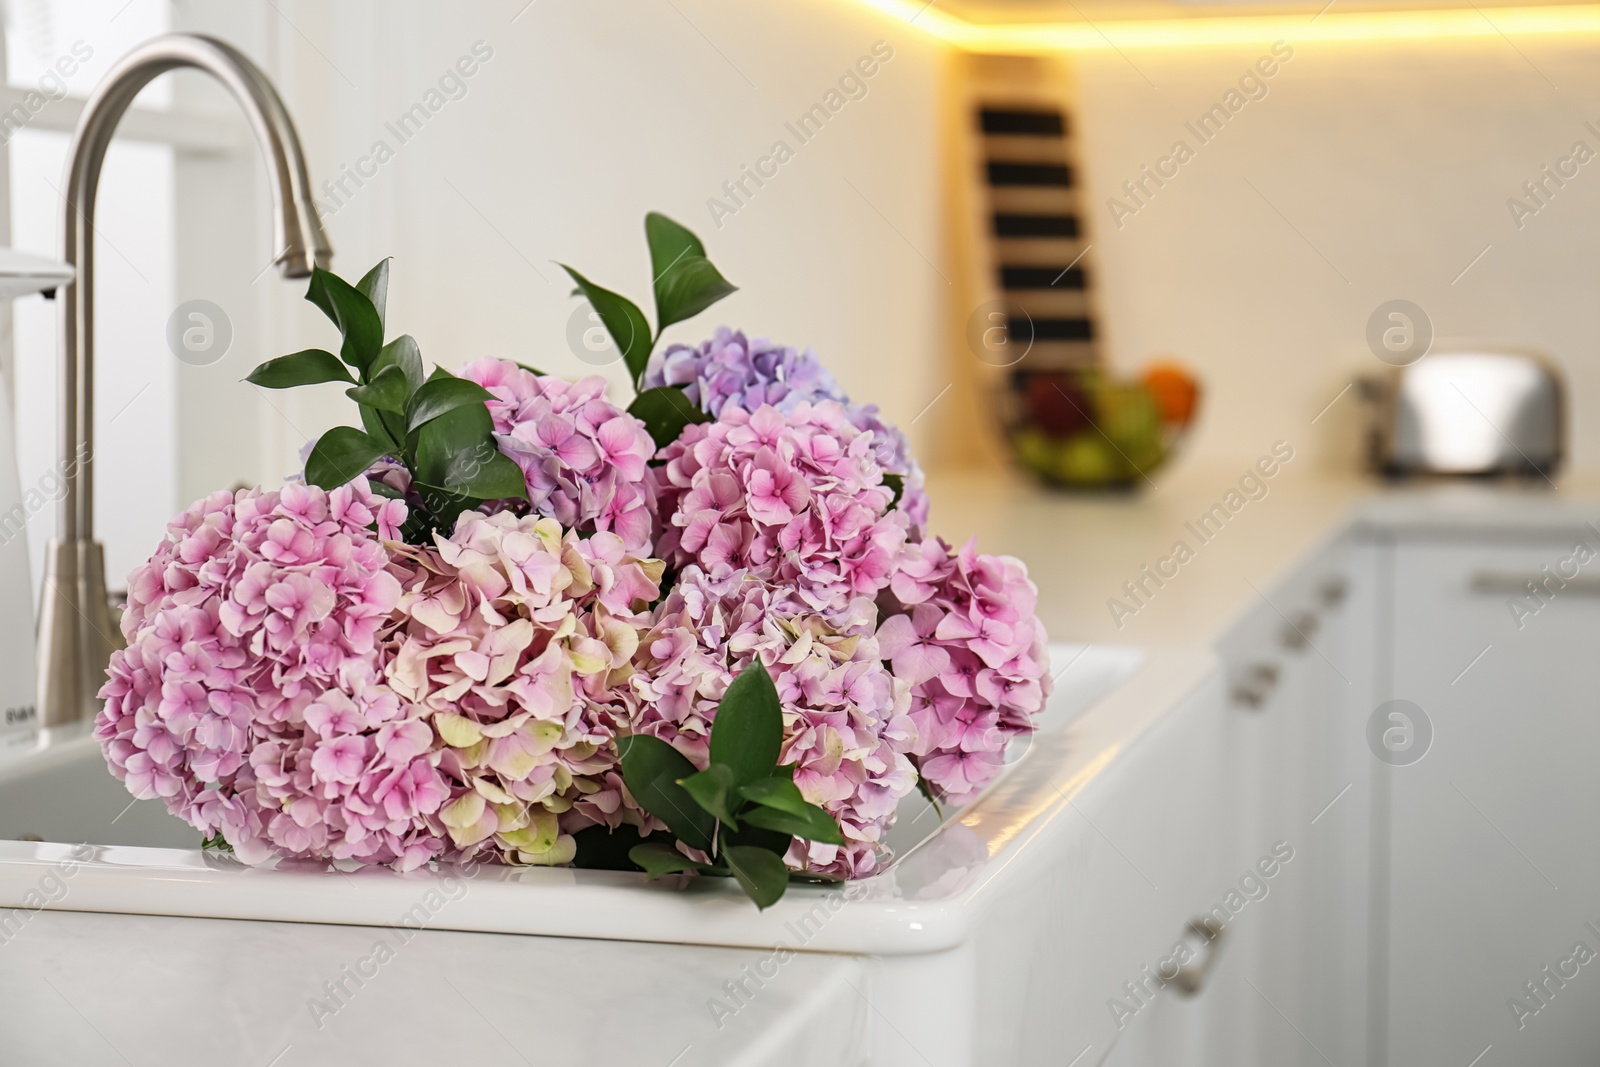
(583, 457)
(516, 637)
(798, 499)
(248, 697)
(968, 643)
(845, 715)
(732, 369)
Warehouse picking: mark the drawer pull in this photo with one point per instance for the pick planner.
(1254, 683)
(1203, 946)
(1298, 631)
(1520, 583)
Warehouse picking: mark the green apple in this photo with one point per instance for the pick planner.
(1086, 459)
(1131, 418)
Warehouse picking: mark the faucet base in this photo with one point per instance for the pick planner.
(76, 634)
(60, 676)
(99, 636)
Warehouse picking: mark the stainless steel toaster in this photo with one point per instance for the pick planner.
(1469, 411)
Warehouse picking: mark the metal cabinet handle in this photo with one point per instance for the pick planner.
(1298, 630)
(1204, 944)
(1254, 684)
(1520, 583)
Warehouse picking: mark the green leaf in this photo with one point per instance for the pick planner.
(669, 243)
(600, 848)
(685, 281)
(751, 834)
(712, 789)
(748, 729)
(775, 792)
(786, 770)
(351, 311)
(341, 454)
(374, 285)
(532, 370)
(440, 395)
(665, 411)
(761, 874)
(377, 425)
(812, 823)
(687, 288)
(386, 391)
(658, 859)
(402, 352)
(310, 367)
(442, 439)
(440, 511)
(623, 320)
(494, 476)
(897, 486)
(651, 768)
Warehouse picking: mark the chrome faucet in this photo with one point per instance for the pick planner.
(76, 633)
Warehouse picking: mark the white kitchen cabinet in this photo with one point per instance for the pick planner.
(1299, 667)
(1492, 872)
(1270, 763)
(1159, 855)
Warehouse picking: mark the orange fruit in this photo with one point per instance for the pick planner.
(1175, 390)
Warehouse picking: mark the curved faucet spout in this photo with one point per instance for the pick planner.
(76, 634)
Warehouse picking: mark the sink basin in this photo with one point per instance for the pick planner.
(939, 924)
(58, 790)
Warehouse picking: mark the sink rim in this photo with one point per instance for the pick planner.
(923, 901)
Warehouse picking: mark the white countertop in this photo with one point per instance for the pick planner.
(1081, 547)
(86, 989)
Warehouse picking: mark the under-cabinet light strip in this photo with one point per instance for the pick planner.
(1033, 38)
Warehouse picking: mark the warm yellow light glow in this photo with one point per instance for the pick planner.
(1015, 820)
(1033, 38)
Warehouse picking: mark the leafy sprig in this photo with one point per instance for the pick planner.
(435, 425)
(742, 811)
(686, 283)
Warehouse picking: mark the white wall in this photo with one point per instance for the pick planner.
(586, 117)
(1395, 162)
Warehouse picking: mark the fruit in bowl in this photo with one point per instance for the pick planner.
(1083, 429)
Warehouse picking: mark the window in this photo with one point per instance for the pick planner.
(136, 461)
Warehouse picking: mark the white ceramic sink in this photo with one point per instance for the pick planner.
(57, 795)
(938, 927)
(58, 792)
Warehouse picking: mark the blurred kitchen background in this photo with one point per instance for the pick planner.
(1369, 170)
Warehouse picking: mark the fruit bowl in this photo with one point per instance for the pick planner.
(1083, 429)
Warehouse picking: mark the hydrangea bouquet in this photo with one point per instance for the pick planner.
(509, 620)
